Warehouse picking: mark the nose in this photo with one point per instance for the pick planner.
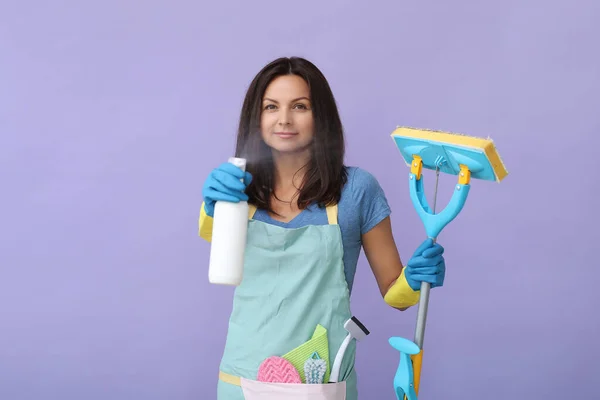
(284, 117)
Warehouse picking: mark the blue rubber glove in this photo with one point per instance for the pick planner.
(426, 265)
(223, 184)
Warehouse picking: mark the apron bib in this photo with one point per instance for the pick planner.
(293, 281)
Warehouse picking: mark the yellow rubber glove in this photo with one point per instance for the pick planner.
(205, 225)
(400, 294)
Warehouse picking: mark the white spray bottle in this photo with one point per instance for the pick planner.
(228, 244)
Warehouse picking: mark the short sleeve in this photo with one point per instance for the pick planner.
(370, 200)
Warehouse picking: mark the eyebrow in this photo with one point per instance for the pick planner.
(299, 98)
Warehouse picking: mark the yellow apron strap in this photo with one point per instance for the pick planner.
(332, 214)
(232, 380)
(251, 211)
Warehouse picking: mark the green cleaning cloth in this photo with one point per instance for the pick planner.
(319, 344)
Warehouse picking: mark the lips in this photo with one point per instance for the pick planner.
(286, 135)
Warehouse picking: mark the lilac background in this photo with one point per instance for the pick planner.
(113, 113)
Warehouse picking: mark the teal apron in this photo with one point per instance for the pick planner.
(293, 281)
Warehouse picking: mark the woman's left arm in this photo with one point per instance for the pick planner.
(400, 286)
(382, 255)
(392, 278)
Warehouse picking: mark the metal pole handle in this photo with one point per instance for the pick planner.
(425, 286)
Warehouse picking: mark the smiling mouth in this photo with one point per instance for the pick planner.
(286, 134)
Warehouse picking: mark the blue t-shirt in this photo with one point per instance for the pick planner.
(362, 206)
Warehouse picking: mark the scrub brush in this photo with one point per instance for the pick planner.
(314, 369)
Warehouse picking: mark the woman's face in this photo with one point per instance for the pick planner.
(287, 118)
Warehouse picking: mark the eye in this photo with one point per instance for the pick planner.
(301, 106)
(269, 107)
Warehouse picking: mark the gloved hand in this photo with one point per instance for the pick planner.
(223, 184)
(426, 265)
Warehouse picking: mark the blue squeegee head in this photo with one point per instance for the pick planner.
(449, 150)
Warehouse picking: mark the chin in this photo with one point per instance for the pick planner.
(289, 147)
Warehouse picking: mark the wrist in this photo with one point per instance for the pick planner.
(208, 208)
(414, 285)
(205, 224)
(401, 294)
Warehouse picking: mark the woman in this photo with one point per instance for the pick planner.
(309, 217)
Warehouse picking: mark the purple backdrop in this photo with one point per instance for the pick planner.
(112, 114)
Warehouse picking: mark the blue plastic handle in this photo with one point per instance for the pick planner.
(434, 223)
(404, 378)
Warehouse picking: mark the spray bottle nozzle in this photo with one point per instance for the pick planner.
(238, 162)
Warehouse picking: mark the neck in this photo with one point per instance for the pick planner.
(289, 170)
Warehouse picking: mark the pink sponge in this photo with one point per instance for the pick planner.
(277, 369)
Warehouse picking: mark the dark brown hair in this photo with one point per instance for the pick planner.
(325, 175)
